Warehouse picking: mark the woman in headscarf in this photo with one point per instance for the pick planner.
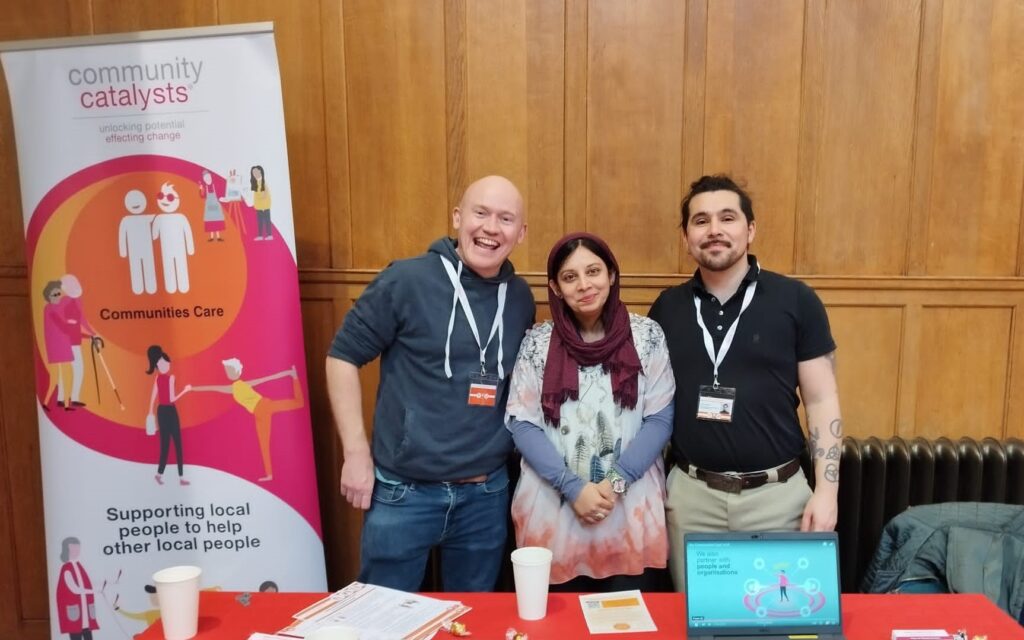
(590, 409)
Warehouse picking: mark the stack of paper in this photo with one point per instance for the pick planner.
(378, 613)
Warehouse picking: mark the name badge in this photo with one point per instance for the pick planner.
(716, 403)
(483, 390)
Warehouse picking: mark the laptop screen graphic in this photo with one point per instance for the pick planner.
(762, 583)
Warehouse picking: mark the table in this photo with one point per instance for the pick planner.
(865, 617)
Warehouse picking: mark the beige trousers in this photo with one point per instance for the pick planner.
(693, 506)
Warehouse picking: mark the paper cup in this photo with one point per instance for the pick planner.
(177, 590)
(531, 567)
(334, 633)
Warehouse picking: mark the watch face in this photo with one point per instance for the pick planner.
(618, 485)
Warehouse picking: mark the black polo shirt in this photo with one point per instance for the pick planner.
(784, 325)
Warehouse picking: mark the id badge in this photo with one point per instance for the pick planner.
(483, 390)
(716, 404)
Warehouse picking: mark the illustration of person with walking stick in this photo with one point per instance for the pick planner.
(76, 603)
(262, 408)
(58, 344)
(97, 345)
(167, 419)
(77, 327)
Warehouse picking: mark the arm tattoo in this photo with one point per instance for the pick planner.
(816, 451)
(833, 453)
(832, 472)
(836, 427)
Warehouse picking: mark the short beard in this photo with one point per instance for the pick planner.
(722, 262)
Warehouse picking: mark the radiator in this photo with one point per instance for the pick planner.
(881, 478)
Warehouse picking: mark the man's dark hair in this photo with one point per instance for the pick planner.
(717, 182)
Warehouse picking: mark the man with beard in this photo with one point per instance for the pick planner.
(745, 339)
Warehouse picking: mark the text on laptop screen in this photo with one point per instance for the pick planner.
(762, 583)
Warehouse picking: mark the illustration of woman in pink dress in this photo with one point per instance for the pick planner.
(76, 605)
(58, 343)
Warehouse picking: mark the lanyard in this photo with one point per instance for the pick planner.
(709, 343)
(496, 327)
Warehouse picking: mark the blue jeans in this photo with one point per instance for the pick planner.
(469, 522)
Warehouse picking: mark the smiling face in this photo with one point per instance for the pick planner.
(168, 198)
(584, 282)
(490, 222)
(717, 234)
(135, 202)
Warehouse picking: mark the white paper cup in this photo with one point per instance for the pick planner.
(177, 590)
(531, 567)
(334, 633)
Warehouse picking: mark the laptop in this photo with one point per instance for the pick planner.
(760, 586)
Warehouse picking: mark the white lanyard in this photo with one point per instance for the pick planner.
(496, 327)
(709, 343)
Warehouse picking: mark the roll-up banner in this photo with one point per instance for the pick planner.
(171, 388)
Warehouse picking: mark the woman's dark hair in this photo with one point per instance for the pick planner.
(566, 250)
(50, 288)
(262, 184)
(65, 553)
(268, 584)
(155, 353)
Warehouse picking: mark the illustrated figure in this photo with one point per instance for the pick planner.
(783, 583)
(262, 409)
(135, 243)
(167, 420)
(213, 215)
(146, 616)
(76, 605)
(77, 328)
(233, 200)
(175, 235)
(58, 343)
(261, 203)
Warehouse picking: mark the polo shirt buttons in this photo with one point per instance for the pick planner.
(719, 327)
(721, 313)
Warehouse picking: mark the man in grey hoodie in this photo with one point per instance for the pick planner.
(447, 325)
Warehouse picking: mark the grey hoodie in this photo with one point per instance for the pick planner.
(423, 428)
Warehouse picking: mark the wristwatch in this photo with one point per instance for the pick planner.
(618, 482)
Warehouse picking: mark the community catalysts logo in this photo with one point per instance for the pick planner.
(136, 85)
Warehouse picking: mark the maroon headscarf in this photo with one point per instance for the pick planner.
(616, 352)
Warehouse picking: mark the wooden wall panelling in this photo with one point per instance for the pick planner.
(23, 20)
(395, 66)
(964, 362)
(1015, 386)
(318, 324)
(752, 113)
(635, 61)
(868, 339)
(514, 119)
(924, 136)
(300, 56)
(575, 128)
(24, 496)
(975, 204)
(855, 221)
(113, 16)
(693, 117)
(339, 206)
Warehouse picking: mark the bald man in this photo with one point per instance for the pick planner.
(447, 325)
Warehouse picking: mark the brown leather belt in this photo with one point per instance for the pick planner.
(737, 482)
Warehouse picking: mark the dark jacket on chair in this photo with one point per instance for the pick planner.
(962, 547)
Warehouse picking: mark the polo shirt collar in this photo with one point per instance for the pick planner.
(751, 276)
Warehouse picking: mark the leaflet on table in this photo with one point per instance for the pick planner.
(617, 612)
(378, 613)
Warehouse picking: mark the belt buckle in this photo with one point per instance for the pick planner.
(724, 482)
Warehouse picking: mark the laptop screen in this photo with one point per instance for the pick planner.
(762, 583)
